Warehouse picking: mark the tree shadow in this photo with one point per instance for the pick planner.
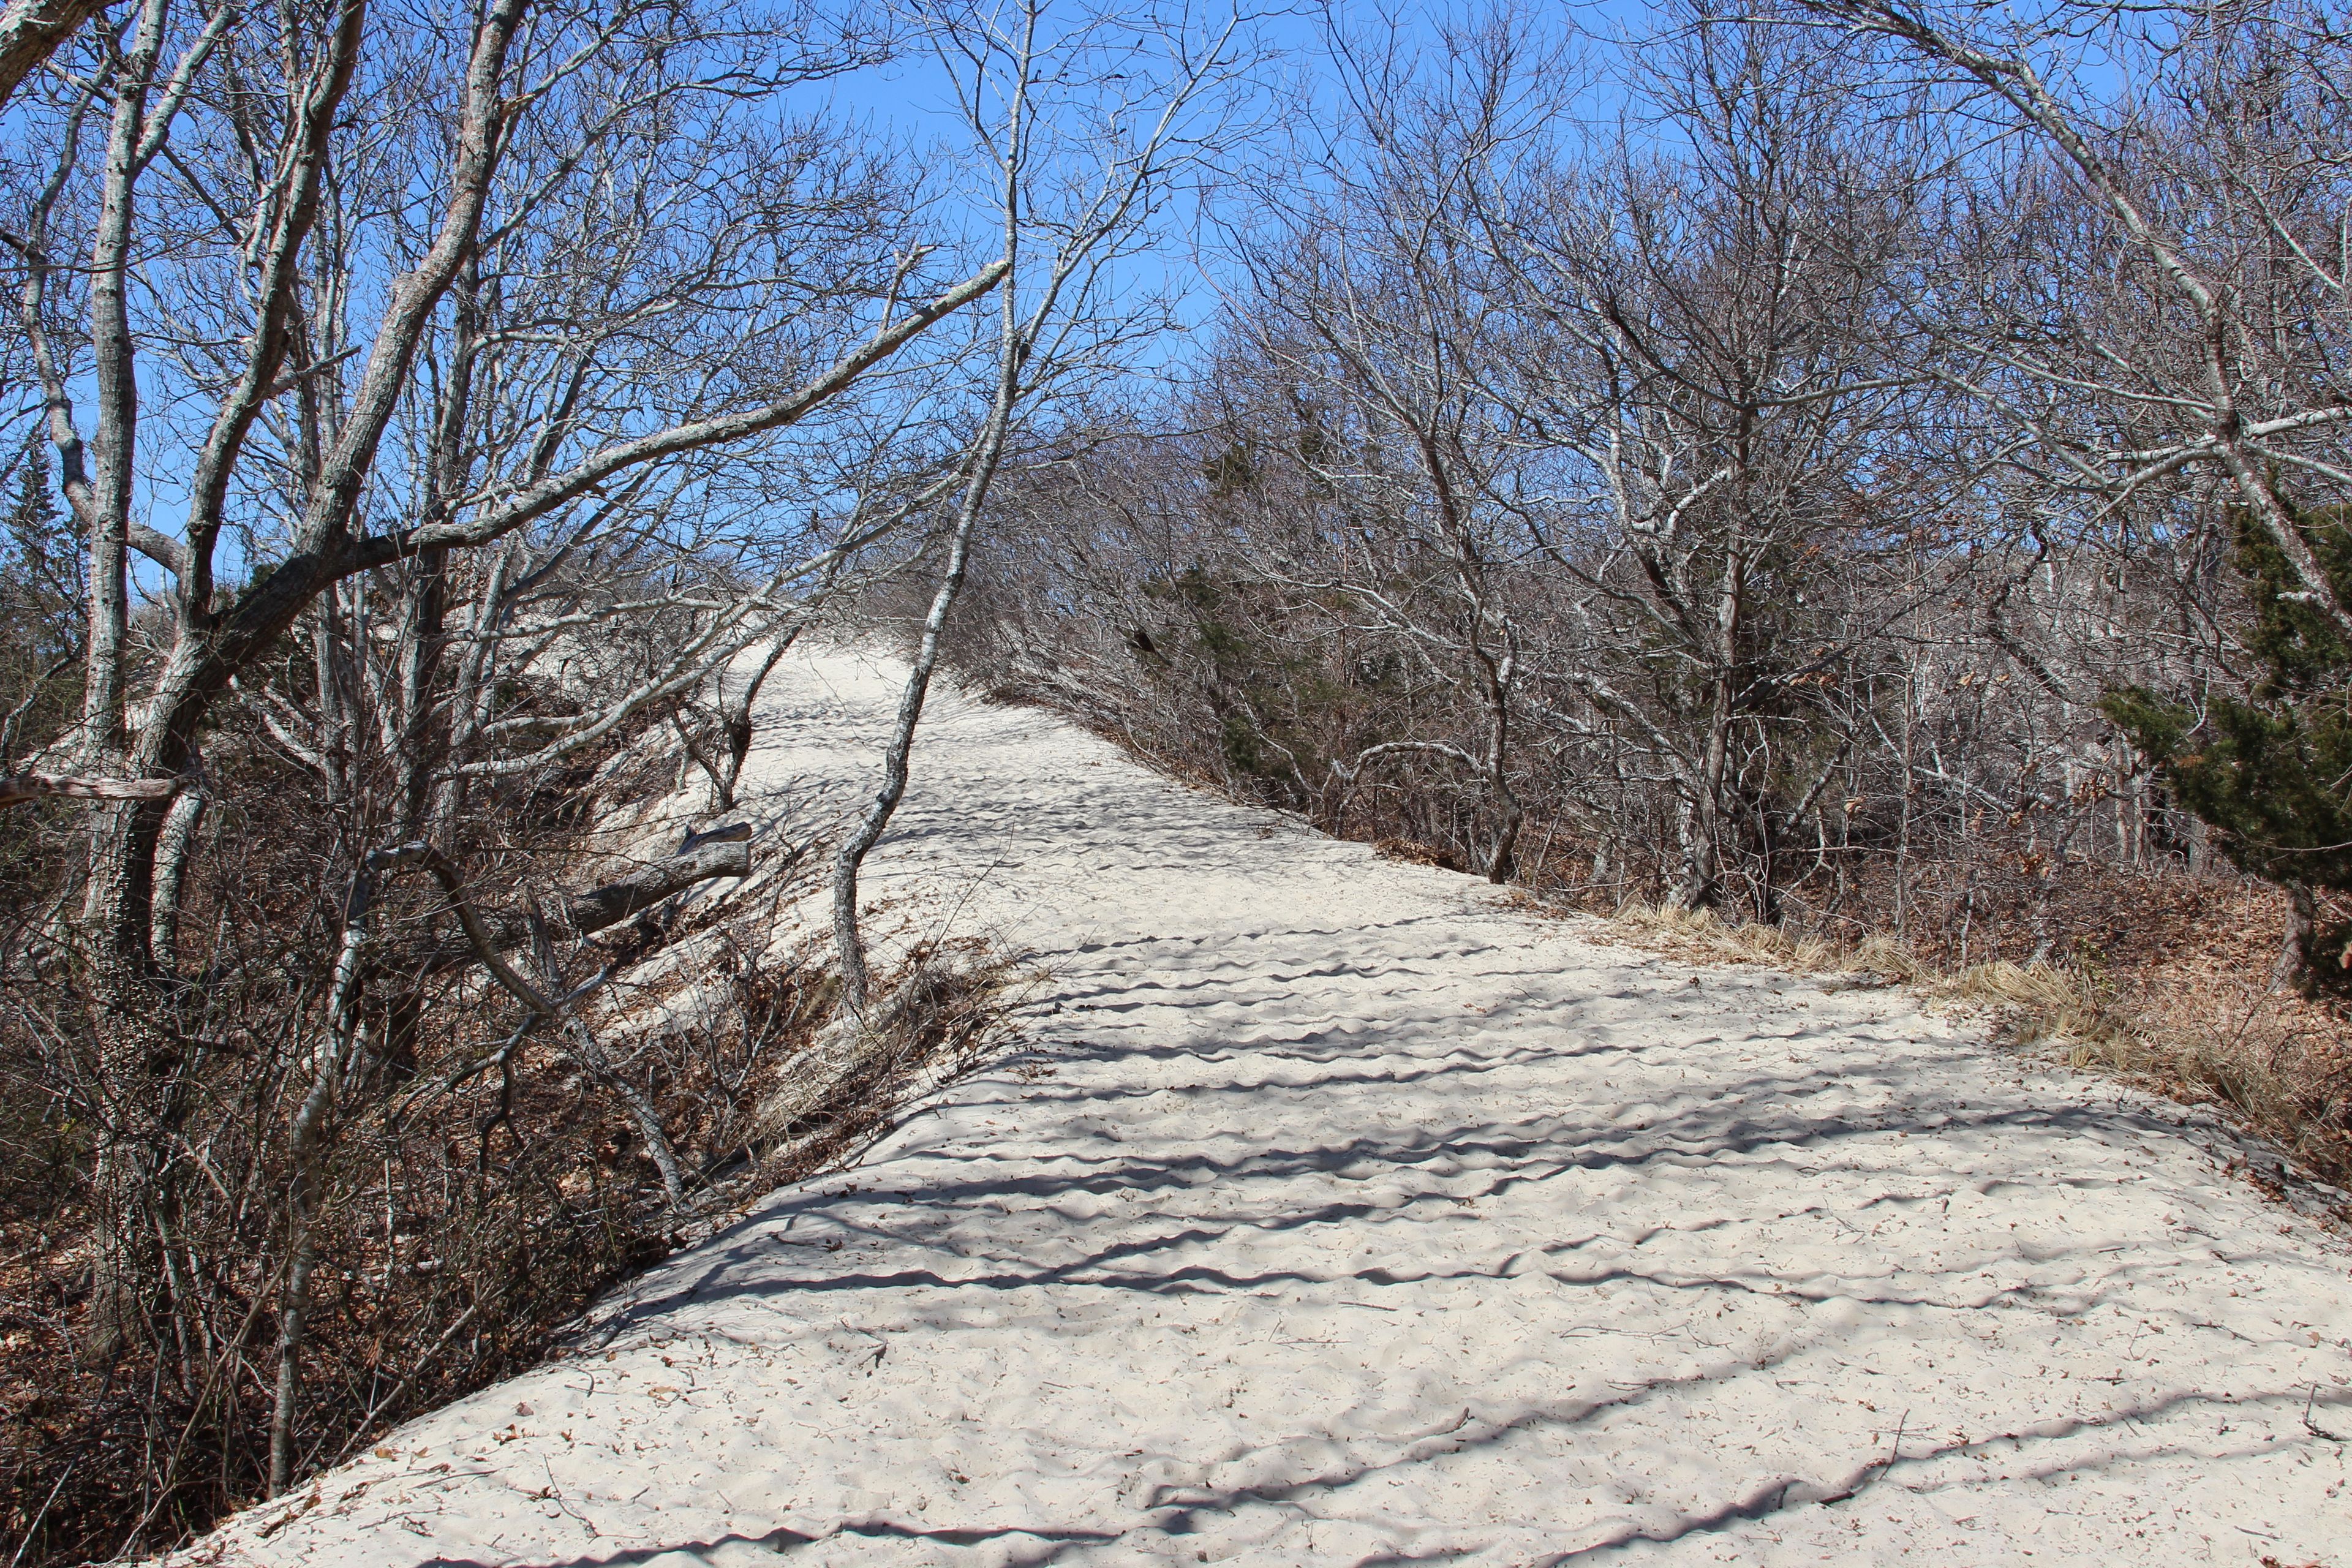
(938, 1212)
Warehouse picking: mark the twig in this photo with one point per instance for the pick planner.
(358, 1433)
(2309, 1425)
(1869, 1472)
(35, 1528)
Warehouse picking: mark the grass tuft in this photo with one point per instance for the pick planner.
(2249, 1053)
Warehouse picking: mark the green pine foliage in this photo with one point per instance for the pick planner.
(2270, 773)
(40, 672)
(40, 603)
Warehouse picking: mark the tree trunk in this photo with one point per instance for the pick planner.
(737, 718)
(1013, 349)
(135, 1059)
(857, 982)
(1504, 858)
(304, 1136)
(1701, 884)
(2297, 965)
(173, 850)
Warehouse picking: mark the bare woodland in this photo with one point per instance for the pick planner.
(1741, 468)
(1763, 504)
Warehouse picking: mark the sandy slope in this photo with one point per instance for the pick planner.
(1359, 1219)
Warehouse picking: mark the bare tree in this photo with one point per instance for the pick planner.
(545, 102)
(1728, 368)
(1379, 303)
(501, 374)
(2188, 301)
(1085, 126)
(1654, 422)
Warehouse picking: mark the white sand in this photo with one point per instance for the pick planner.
(1360, 1219)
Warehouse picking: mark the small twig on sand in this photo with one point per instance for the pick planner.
(2309, 1425)
(555, 1496)
(1869, 1472)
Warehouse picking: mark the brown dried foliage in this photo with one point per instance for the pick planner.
(471, 1208)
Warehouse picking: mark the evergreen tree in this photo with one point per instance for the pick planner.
(40, 600)
(2271, 774)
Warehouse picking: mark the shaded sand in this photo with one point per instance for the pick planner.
(1332, 1211)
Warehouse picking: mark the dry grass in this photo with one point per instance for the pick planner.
(937, 1018)
(2281, 1064)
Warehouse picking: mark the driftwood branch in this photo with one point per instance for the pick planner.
(709, 856)
(722, 852)
(16, 789)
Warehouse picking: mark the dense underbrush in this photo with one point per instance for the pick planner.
(481, 1176)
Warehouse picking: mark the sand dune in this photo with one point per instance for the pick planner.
(1332, 1210)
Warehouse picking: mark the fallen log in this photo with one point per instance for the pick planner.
(724, 852)
(711, 855)
(16, 789)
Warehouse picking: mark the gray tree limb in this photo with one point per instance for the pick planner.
(30, 32)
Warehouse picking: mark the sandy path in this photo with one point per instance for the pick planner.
(1357, 1218)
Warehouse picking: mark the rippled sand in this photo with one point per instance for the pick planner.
(1331, 1211)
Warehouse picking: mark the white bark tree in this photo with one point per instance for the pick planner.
(2163, 283)
(429, 360)
(1086, 126)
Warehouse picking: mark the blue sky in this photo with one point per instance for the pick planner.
(1291, 93)
(1292, 96)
